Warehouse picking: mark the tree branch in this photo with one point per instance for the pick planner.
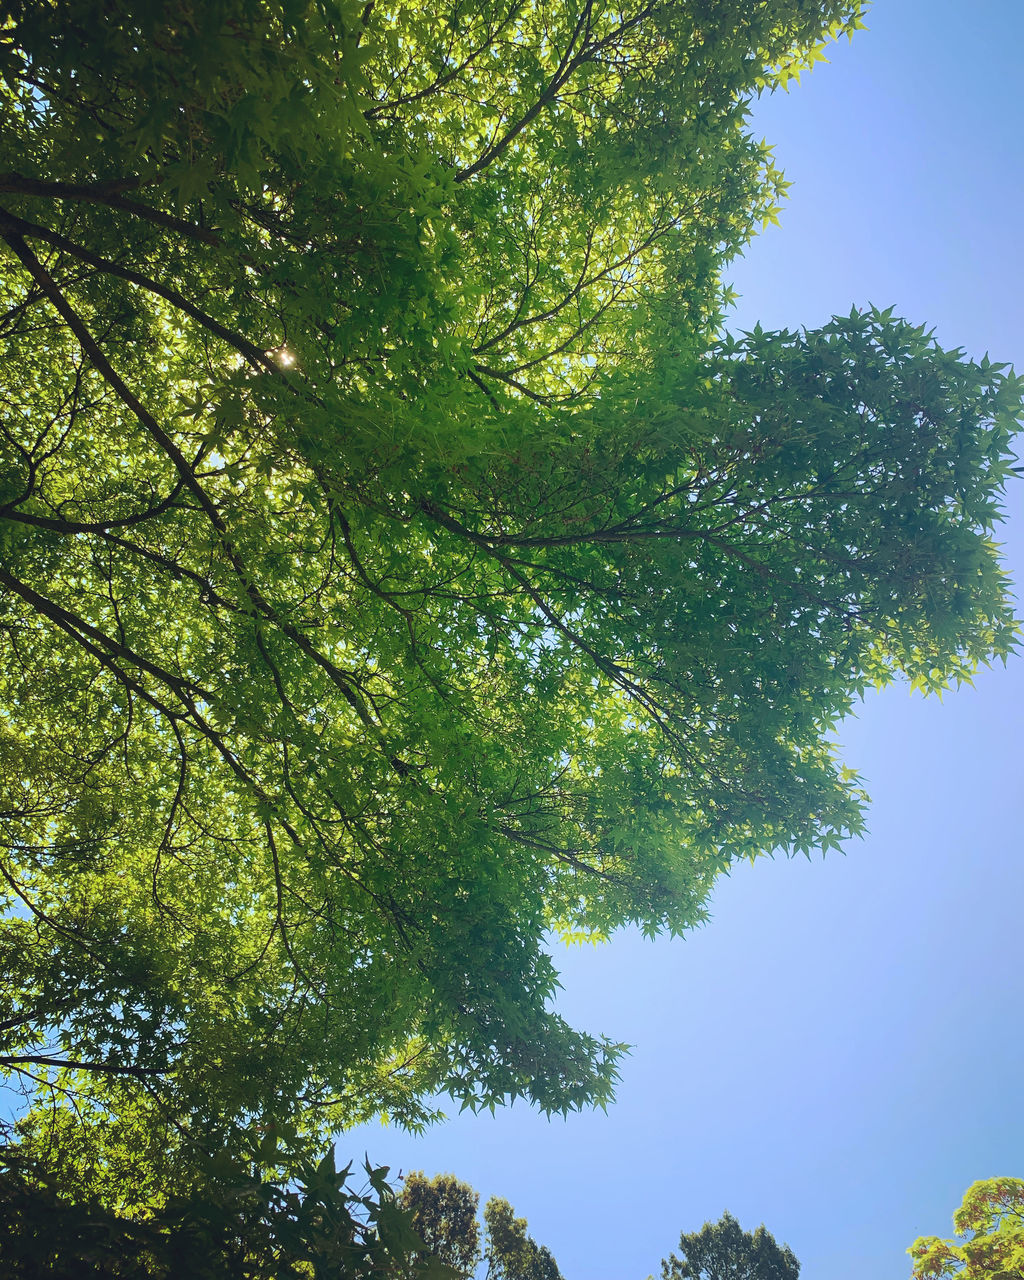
(108, 193)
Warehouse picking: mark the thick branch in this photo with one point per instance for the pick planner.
(14, 1062)
(11, 225)
(78, 627)
(108, 193)
(92, 349)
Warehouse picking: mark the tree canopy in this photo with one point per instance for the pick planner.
(443, 1213)
(239, 1225)
(722, 1250)
(990, 1224)
(399, 563)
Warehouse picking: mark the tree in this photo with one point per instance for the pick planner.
(992, 1218)
(443, 1214)
(722, 1250)
(242, 1226)
(398, 562)
(512, 1253)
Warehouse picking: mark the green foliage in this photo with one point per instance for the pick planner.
(399, 564)
(239, 1226)
(512, 1253)
(722, 1250)
(991, 1218)
(442, 1212)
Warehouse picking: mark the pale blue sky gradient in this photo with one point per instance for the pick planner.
(838, 1053)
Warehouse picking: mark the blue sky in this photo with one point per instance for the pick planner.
(838, 1053)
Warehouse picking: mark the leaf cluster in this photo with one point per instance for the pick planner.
(722, 1250)
(444, 1214)
(240, 1225)
(990, 1224)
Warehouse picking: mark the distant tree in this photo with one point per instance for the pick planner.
(991, 1220)
(722, 1250)
(443, 1214)
(513, 1254)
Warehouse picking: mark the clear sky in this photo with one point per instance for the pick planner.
(838, 1053)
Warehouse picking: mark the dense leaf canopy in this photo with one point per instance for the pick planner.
(443, 1213)
(990, 1227)
(240, 1227)
(722, 1250)
(397, 564)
